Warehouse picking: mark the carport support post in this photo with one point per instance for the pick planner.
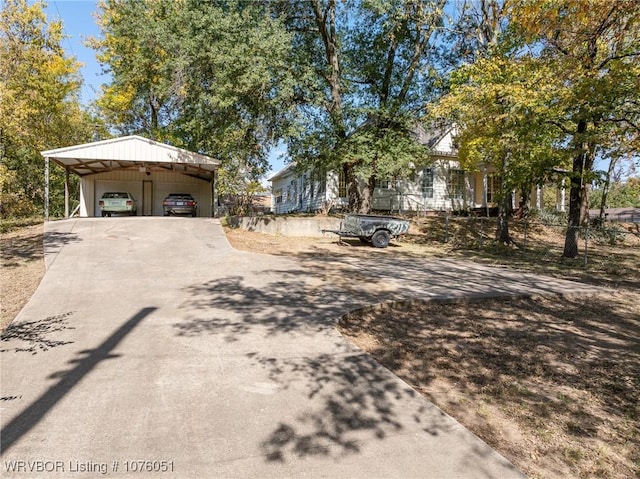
(214, 194)
(66, 191)
(46, 188)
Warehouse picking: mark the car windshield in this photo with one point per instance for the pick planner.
(115, 195)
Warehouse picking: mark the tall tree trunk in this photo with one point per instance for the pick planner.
(353, 190)
(153, 107)
(366, 202)
(579, 194)
(325, 21)
(504, 206)
(502, 233)
(524, 205)
(605, 189)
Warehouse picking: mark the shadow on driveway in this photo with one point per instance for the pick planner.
(30, 416)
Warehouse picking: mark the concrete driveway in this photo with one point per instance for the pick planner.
(151, 345)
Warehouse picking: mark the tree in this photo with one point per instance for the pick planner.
(136, 50)
(620, 194)
(593, 50)
(500, 104)
(212, 77)
(499, 109)
(39, 106)
(393, 61)
(368, 66)
(584, 58)
(321, 123)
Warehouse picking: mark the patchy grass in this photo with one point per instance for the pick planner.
(552, 383)
(12, 224)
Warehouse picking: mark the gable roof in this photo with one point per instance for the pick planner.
(132, 153)
(433, 138)
(287, 170)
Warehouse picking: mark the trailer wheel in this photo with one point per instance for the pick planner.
(380, 239)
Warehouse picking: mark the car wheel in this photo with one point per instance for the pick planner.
(104, 213)
(109, 214)
(380, 239)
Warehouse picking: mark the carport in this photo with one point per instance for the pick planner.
(147, 169)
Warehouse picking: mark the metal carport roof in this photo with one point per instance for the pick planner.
(132, 152)
(127, 153)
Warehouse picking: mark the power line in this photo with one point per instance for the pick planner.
(85, 86)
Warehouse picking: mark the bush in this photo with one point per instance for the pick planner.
(550, 217)
(605, 235)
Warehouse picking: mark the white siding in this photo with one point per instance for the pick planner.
(407, 195)
(298, 193)
(445, 144)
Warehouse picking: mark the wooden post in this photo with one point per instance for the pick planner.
(214, 194)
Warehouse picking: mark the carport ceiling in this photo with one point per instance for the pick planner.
(132, 153)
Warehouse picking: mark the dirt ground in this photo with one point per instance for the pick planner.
(22, 267)
(552, 383)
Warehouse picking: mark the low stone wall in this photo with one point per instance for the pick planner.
(285, 225)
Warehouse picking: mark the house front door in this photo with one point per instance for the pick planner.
(147, 198)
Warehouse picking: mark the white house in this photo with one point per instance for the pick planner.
(441, 186)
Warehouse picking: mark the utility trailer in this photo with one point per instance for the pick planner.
(374, 229)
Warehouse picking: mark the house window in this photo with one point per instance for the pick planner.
(456, 184)
(318, 182)
(383, 184)
(278, 196)
(342, 184)
(493, 187)
(322, 184)
(427, 183)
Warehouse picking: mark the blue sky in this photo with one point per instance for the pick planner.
(78, 19)
(79, 24)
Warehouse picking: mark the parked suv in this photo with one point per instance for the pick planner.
(180, 204)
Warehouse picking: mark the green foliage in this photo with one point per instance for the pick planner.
(383, 149)
(374, 67)
(592, 49)
(559, 86)
(503, 106)
(239, 183)
(39, 107)
(620, 195)
(211, 77)
(550, 217)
